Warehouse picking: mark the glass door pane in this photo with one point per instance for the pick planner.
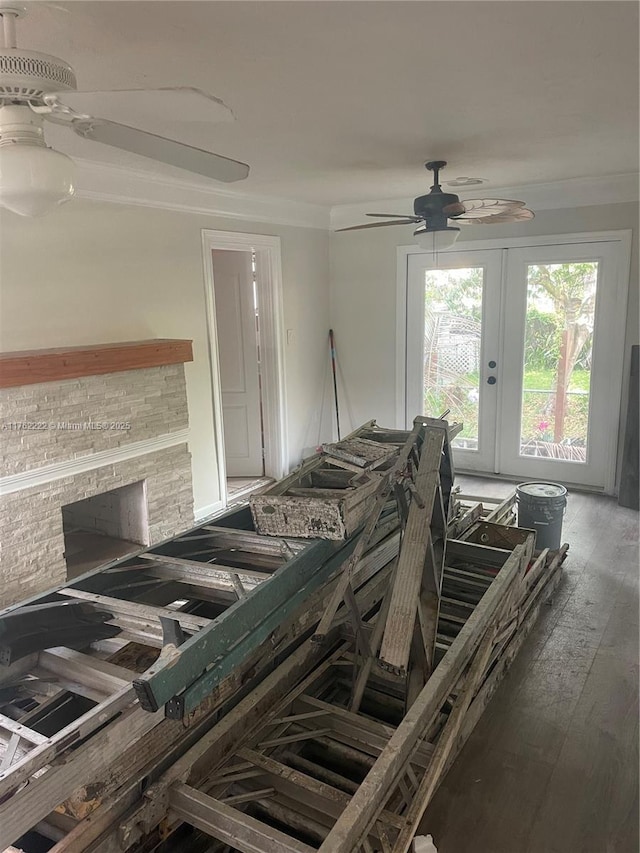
(452, 348)
(563, 312)
(453, 325)
(558, 350)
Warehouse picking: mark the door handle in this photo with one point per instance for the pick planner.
(491, 380)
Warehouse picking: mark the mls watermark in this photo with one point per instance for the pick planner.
(65, 425)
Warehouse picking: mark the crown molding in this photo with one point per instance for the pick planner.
(574, 192)
(120, 185)
(123, 185)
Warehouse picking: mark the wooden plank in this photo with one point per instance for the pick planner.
(292, 781)
(239, 830)
(416, 559)
(362, 452)
(471, 552)
(193, 571)
(6, 760)
(29, 367)
(381, 494)
(147, 613)
(444, 746)
(93, 672)
(24, 732)
(498, 513)
(246, 540)
(365, 668)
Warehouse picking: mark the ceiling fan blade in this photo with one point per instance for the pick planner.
(397, 216)
(162, 149)
(454, 209)
(154, 110)
(483, 207)
(380, 224)
(519, 215)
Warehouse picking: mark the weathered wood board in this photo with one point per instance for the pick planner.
(362, 452)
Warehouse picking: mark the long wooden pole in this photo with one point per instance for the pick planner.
(332, 349)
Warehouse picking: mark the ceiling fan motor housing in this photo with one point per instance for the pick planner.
(27, 75)
(431, 206)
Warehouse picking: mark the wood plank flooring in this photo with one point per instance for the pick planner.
(552, 766)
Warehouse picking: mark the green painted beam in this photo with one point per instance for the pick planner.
(210, 655)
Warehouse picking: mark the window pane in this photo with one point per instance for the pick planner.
(452, 336)
(561, 300)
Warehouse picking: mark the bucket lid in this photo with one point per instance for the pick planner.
(542, 490)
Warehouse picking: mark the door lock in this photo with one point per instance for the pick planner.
(491, 380)
(492, 364)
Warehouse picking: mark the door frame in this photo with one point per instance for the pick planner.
(272, 372)
(621, 284)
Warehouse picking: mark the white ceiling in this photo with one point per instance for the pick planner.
(342, 102)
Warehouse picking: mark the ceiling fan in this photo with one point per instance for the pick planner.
(437, 210)
(35, 87)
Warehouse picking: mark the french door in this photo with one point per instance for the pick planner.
(523, 346)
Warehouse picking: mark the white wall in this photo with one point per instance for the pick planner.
(363, 298)
(94, 272)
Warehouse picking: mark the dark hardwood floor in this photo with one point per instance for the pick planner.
(552, 766)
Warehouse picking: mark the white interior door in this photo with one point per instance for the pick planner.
(453, 347)
(561, 377)
(238, 354)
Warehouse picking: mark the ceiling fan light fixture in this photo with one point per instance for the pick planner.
(436, 239)
(34, 179)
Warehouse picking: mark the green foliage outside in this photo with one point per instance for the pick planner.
(537, 415)
(561, 302)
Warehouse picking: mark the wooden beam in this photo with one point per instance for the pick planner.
(29, 367)
(194, 571)
(445, 745)
(381, 494)
(100, 675)
(148, 615)
(417, 563)
(227, 824)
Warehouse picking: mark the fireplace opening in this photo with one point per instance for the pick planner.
(104, 527)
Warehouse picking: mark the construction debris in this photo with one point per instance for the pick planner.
(296, 694)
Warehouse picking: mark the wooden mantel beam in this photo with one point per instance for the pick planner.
(29, 367)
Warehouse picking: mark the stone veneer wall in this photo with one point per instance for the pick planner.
(153, 401)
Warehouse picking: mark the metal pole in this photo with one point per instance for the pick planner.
(332, 346)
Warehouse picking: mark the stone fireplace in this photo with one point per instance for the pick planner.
(108, 525)
(93, 442)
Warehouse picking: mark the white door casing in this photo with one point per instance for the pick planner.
(238, 358)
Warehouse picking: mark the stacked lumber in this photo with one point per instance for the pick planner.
(281, 693)
(308, 773)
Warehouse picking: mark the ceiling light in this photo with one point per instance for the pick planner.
(33, 178)
(436, 239)
(464, 181)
